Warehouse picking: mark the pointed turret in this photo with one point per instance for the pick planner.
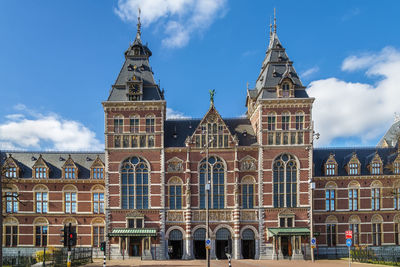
(135, 81)
(276, 69)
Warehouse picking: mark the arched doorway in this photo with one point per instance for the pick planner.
(223, 243)
(199, 243)
(175, 244)
(248, 244)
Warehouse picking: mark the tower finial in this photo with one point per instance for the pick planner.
(274, 20)
(212, 94)
(270, 27)
(138, 26)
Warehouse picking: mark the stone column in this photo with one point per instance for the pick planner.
(280, 256)
(274, 254)
(213, 247)
(257, 254)
(236, 248)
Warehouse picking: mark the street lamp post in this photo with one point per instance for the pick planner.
(207, 194)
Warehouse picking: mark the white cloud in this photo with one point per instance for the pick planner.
(309, 72)
(45, 132)
(347, 109)
(173, 114)
(180, 18)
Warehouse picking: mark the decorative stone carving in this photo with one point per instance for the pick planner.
(248, 164)
(214, 215)
(250, 215)
(175, 165)
(175, 216)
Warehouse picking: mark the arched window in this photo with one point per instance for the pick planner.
(41, 231)
(98, 199)
(216, 176)
(376, 222)
(354, 187)
(70, 198)
(299, 120)
(285, 181)
(175, 193)
(248, 192)
(376, 195)
(135, 183)
(331, 225)
(41, 198)
(354, 225)
(10, 232)
(97, 232)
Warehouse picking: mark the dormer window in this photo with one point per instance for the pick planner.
(40, 172)
(136, 51)
(376, 165)
(11, 172)
(353, 168)
(396, 167)
(331, 166)
(97, 169)
(11, 168)
(40, 169)
(70, 171)
(285, 89)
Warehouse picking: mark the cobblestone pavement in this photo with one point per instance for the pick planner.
(224, 263)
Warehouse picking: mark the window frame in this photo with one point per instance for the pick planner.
(280, 181)
(214, 186)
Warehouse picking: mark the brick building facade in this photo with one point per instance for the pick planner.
(146, 193)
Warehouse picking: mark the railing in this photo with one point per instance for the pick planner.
(378, 255)
(58, 257)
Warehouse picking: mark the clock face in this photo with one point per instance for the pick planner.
(134, 88)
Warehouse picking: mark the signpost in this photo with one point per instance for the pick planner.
(349, 236)
(208, 244)
(313, 242)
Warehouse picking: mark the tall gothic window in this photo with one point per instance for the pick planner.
(216, 176)
(375, 198)
(299, 121)
(285, 121)
(175, 193)
(330, 200)
(135, 183)
(118, 124)
(285, 182)
(271, 121)
(353, 199)
(331, 235)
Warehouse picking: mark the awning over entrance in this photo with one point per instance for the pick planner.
(288, 231)
(141, 232)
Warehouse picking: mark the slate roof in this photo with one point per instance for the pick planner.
(136, 65)
(176, 131)
(391, 136)
(54, 160)
(275, 67)
(342, 156)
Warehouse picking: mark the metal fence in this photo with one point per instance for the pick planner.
(379, 255)
(79, 256)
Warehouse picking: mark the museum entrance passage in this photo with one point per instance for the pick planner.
(199, 244)
(286, 246)
(248, 244)
(135, 247)
(175, 245)
(223, 243)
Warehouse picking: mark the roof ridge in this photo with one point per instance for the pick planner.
(52, 152)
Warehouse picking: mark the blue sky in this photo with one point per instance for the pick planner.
(58, 60)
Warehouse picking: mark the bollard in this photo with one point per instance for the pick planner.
(229, 261)
(104, 261)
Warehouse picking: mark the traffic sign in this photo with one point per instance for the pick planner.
(349, 234)
(313, 242)
(208, 244)
(348, 242)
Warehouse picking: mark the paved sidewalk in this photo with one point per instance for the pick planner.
(224, 263)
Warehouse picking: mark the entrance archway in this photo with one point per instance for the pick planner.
(248, 244)
(199, 243)
(223, 243)
(175, 244)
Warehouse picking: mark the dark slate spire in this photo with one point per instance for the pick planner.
(276, 67)
(135, 81)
